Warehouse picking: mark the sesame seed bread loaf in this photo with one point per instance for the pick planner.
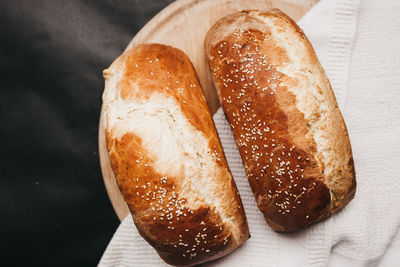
(167, 158)
(284, 117)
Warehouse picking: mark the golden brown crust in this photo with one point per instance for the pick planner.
(282, 130)
(187, 225)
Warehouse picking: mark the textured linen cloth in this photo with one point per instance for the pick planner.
(357, 43)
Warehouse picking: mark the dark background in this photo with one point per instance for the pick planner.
(54, 210)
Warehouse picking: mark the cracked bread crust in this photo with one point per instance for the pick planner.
(284, 116)
(167, 158)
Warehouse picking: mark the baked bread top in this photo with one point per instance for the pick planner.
(284, 116)
(167, 157)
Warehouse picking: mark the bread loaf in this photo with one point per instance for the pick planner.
(284, 117)
(167, 158)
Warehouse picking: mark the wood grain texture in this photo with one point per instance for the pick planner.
(184, 24)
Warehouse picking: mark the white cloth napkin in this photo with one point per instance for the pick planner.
(363, 64)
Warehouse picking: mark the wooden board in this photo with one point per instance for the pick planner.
(184, 24)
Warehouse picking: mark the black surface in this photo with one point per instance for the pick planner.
(54, 207)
